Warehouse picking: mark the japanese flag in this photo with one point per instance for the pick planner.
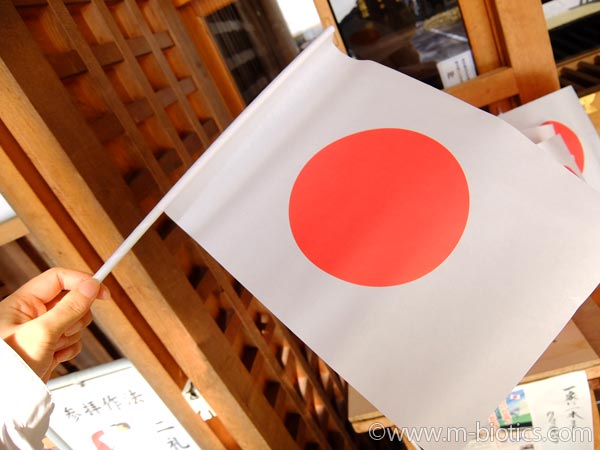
(421, 247)
(562, 111)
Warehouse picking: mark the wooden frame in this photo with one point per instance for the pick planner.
(105, 105)
(509, 72)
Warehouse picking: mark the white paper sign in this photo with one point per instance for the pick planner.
(561, 408)
(457, 69)
(552, 414)
(112, 407)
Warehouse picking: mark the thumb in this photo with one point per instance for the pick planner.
(72, 307)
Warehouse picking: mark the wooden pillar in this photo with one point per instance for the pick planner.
(283, 41)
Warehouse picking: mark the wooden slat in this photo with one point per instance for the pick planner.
(245, 312)
(533, 64)
(15, 266)
(71, 160)
(481, 24)
(487, 88)
(197, 67)
(140, 46)
(288, 384)
(210, 128)
(64, 244)
(141, 183)
(192, 143)
(169, 161)
(143, 27)
(110, 96)
(67, 64)
(151, 100)
(192, 15)
(107, 53)
(27, 3)
(328, 20)
(11, 230)
(140, 110)
(70, 63)
(107, 127)
(167, 96)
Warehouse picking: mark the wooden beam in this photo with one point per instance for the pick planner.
(11, 230)
(194, 62)
(41, 116)
(15, 266)
(178, 87)
(155, 106)
(63, 243)
(106, 89)
(192, 16)
(481, 23)
(488, 88)
(328, 20)
(528, 47)
(587, 319)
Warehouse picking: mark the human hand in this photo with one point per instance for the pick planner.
(43, 324)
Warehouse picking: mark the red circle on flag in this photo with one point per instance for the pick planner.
(381, 207)
(571, 141)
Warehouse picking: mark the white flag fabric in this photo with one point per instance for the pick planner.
(425, 249)
(558, 149)
(561, 109)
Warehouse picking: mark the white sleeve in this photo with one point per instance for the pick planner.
(25, 403)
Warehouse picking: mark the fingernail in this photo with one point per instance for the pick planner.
(89, 288)
(104, 293)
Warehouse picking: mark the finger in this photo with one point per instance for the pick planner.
(72, 307)
(79, 325)
(64, 354)
(46, 376)
(67, 341)
(50, 283)
(68, 353)
(104, 293)
(52, 303)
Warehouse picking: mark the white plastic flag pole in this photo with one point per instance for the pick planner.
(128, 243)
(155, 213)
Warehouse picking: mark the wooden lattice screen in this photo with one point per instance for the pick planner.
(103, 106)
